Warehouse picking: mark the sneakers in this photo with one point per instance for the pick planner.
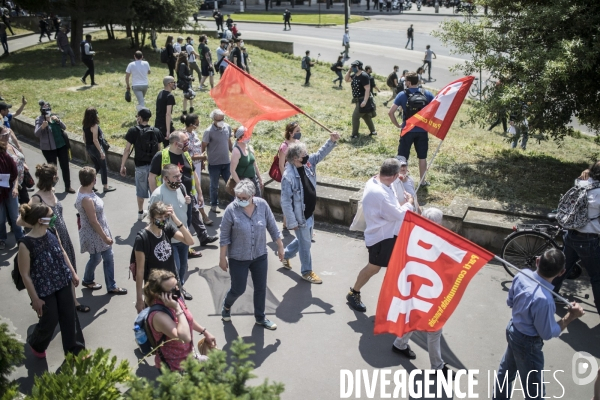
(141, 215)
(355, 302)
(312, 277)
(267, 324)
(108, 189)
(407, 352)
(215, 210)
(186, 295)
(374, 133)
(287, 264)
(225, 314)
(81, 79)
(208, 240)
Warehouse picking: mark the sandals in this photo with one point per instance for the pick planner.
(118, 291)
(92, 286)
(82, 308)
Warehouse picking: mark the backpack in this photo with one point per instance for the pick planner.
(132, 262)
(572, 212)
(141, 322)
(304, 63)
(400, 87)
(15, 273)
(390, 79)
(334, 67)
(415, 102)
(147, 148)
(164, 56)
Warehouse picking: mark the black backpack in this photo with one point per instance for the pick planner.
(400, 87)
(415, 102)
(164, 56)
(146, 145)
(390, 79)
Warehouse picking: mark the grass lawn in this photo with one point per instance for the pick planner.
(18, 31)
(472, 162)
(309, 18)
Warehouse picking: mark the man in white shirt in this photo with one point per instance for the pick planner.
(383, 217)
(584, 243)
(192, 56)
(346, 43)
(427, 59)
(177, 46)
(138, 70)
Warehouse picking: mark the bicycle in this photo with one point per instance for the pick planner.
(529, 241)
(476, 87)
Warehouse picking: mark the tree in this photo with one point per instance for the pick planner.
(11, 354)
(159, 14)
(544, 56)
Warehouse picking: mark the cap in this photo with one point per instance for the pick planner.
(4, 106)
(402, 160)
(357, 63)
(145, 114)
(240, 132)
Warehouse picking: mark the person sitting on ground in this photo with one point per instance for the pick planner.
(162, 288)
(153, 247)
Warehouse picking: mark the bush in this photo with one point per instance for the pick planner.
(11, 354)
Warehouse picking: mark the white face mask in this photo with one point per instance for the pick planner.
(220, 124)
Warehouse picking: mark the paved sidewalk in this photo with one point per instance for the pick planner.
(317, 335)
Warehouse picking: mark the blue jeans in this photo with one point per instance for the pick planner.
(216, 171)
(238, 270)
(108, 259)
(9, 211)
(180, 252)
(584, 247)
(523, 354)
(410, 40)
(302, 243)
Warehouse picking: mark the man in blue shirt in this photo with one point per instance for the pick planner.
(417, 135)
(533, 308)
(6, 115)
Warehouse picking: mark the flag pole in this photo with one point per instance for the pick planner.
(519, 271)
(277, 95)
(429, 166)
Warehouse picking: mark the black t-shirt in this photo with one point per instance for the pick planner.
(410, 32)
(132, 136)
(393, 77)
(358, 84)
(310, 194)
(287, 16)
(158, 251)
(237, 55)
(307, 59)
(164, 99)
(203, 50)
(372, 83)
(184, 167)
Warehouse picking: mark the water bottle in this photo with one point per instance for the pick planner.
(140, 335)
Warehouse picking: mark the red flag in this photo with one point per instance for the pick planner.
(245, 99)
(426, 277)
(437, 116)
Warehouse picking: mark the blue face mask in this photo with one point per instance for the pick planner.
(297, 135)
(243, 203)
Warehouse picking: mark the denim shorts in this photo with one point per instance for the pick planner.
(142, 189)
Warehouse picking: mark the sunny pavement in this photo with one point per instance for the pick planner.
(318, 334)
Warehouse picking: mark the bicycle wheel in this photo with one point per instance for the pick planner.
(521, 248)
(474, 90)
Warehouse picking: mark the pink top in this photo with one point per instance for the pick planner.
(283, 149)
(174, 351)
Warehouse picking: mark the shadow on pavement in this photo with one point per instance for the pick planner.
(34, 366)
(298, 298)
(146, 368)
(579, 336)
(257, 338)
(130, 239)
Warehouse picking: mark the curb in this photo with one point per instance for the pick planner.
(270, 22)
(20, 35)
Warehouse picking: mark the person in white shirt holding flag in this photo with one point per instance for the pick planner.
(383, 216)
(405, 183)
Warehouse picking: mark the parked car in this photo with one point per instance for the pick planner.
(210, 4)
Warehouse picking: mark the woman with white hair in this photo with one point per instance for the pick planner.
(243, 163)
(244, 248)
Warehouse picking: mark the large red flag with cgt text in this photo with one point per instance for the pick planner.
(245, 99)
(426, 277)
(437, 116)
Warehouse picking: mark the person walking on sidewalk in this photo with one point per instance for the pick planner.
(410, 34)
(383, 217)
(62, 41)
(244, 164)
(216, 141)
(287, 17)
(48, 274)
(6, 21)
(87, 57)
(427, 60)
(165, 101)
(9, 192)
(346, 44)
(43, 24)
(299, 200)
(4, 39)
(138, 70)
(532, 324)
(307, 64)
(96, 145)
(146, 141)
(94, 235)
(56, 23)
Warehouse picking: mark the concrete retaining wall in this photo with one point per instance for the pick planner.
(486, 223)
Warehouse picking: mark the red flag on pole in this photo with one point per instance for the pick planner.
(426, 277)
(245, 99)
(437, 117)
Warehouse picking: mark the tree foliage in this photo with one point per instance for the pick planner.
(545, 55)
(159, 14)
(11, 354)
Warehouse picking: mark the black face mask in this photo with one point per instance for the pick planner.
(160, 223)
(304, 160)
(175, 293)
(173, 185)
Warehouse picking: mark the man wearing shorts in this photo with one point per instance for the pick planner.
(206, 66)
(383, 216)
(416, 135)
(146, 141)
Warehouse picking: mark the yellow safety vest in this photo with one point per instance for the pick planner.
(166, 159)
